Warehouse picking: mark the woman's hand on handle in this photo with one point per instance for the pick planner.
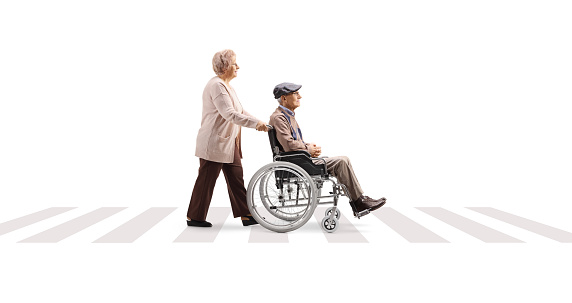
(261, 126)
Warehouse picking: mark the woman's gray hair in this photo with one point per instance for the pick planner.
(222, 61)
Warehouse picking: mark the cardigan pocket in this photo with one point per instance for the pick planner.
(220, 145)
(223, 138)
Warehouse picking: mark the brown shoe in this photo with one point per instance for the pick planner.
(373, 204)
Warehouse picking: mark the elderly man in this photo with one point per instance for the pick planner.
(290, 137)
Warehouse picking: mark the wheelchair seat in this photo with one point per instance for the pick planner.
(301, 158)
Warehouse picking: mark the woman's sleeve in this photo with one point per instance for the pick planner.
(248, 114)
(223, 104)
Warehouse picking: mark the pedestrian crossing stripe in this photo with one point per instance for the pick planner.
(350, 231)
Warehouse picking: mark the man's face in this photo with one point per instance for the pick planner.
(291, 101)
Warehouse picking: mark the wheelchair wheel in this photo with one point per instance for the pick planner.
(267, 196)
(281, 196)
(329, 225)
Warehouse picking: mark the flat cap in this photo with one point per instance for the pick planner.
(285, 88)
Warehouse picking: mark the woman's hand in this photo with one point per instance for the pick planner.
(261, 127)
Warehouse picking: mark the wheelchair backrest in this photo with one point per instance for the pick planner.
(274, 144)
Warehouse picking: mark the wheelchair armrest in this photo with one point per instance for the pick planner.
(323, 160)
(320, 158)
(294, 152)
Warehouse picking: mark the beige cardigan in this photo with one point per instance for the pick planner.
(222, 117)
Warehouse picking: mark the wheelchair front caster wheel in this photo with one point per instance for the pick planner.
(329, 212)
(329, 225)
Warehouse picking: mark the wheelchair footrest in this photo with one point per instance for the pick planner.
(361, 213)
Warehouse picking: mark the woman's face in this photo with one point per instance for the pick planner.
(232, 70)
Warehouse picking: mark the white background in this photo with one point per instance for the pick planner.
(437, 103)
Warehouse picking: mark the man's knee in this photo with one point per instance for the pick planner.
(338, 163)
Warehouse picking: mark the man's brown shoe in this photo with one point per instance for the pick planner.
(373, 204)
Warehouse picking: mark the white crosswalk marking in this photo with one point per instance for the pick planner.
(217, 216)
(469, 226)
(387, 225)
(136, 227)
(407, 228)
(71, 227)
(259, 234)
(532, 226)
(24, 221)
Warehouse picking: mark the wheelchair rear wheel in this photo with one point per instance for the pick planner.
(281, 196)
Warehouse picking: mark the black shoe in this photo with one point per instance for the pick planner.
(199, 223)
(248, 222)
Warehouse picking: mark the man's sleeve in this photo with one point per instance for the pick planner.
(284, 135)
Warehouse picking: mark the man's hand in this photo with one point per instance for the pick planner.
(315, 150)
(261, 127)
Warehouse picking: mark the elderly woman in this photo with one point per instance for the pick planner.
(218, 143)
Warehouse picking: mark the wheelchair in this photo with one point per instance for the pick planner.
(283, 195)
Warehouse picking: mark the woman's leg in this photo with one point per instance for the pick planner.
(203, 191)
(235, 184)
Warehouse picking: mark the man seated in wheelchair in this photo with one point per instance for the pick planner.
(290, 137)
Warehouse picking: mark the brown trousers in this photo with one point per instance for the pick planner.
(342, 169)
(206, 180)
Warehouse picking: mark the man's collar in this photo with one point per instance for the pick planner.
(291, 113)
